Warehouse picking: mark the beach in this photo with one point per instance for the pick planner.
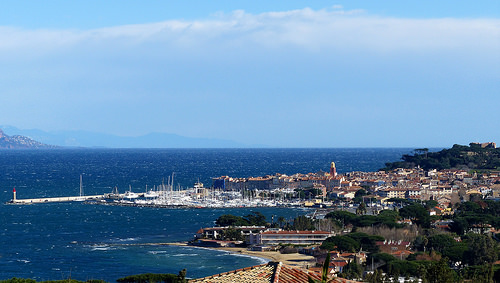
(294, 259)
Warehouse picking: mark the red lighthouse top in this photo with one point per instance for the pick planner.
(14, 190)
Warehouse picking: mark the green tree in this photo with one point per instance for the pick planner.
(420, 243)
(367, 242)
(18, 280)
(324, 271)
(342, 217)
(482, 249)
(231, 220)
(256, 219)
(418, 213)
(340, 243)
(480, 273)
(303, 223)
(232, 234)
(375, 277)
(352, 270)
(281, 221)
(361, 209)
(440, 242)
(155, 278)
(439, 272)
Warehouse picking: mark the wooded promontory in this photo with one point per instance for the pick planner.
(476, 156)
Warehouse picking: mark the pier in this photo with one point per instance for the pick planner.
(55, 199)
(80, 198)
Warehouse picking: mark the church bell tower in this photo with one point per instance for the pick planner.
(333, 170)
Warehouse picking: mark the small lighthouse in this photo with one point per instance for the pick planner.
(14, 193)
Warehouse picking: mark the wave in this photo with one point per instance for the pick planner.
(157, 252)
(186, 255)
(102, 248)
(23, 260)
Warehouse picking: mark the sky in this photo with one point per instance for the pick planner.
(276, 73)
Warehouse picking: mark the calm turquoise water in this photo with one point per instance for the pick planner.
(56, 241)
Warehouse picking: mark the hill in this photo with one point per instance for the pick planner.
(93, 139)
(473, 157)
(18, 141)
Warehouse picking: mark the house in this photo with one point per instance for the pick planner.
(268, 272)
(274, 237)
(393, 247)
(271, 272)
(217, 232)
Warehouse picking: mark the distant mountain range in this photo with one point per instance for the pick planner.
(18, 141)
(41, 138)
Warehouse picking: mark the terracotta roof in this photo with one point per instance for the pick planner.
(297, 232)
(271, 272)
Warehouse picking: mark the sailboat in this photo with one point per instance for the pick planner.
(81, 197)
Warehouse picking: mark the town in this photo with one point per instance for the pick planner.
(321, 189)
(400, 225)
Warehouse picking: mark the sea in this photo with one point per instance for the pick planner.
(56, 241)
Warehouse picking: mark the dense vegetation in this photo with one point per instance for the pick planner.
(29, 280)
(387, 218)
(463, 252)
(301, 222)
(472, 157)
(140, 278)
(352, 242)
(254, 219)
(155, 278)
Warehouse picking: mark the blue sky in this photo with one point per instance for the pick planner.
(280, 73)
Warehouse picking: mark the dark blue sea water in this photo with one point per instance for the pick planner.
(56, 241)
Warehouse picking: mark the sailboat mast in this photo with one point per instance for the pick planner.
(81, 186)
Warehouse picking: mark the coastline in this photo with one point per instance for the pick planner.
(294, 259)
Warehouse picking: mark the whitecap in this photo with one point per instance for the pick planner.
(186, 255)
(23, 260)
(102, 248)
(157, 252)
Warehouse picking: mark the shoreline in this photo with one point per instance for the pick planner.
(294, 259)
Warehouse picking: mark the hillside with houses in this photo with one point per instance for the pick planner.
(435, 225)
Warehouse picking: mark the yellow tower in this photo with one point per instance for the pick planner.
(333, 170)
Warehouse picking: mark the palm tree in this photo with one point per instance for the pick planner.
(281, 220)
(324, 273)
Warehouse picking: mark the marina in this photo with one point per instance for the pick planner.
(52, 240)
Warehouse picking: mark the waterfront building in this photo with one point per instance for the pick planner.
(217, 232)
(276, 237)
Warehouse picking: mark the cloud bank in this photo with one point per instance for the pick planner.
(339, 74)
(309, 29)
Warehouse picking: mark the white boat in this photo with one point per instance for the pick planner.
(151, 194)
(130, 195)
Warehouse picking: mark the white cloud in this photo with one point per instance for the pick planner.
(305, 28)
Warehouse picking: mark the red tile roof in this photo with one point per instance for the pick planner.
(297, 232)
(272, 272)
